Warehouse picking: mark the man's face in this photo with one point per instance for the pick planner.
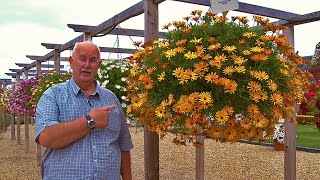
(85, 63)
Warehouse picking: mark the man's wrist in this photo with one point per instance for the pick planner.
(91, 123)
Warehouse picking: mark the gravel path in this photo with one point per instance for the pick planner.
(222, 161)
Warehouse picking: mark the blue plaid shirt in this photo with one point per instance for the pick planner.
(95, 156)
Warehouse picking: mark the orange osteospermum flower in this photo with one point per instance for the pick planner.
(263, 95)
(190, 122)
(228, 70)
(186, 30)
(180, 49)
(259, 57)
(214, 47)
(285, 72)
(151, 70)
(215, 63)
(253, 109)
(201, 66)
(255, 96)
(254, 86)
(211, 77)
(229, 110)
(238, 60)
(160, 111)
(272, 85)
(230, 86)
(178, 72)
(277, 99)
(260, 121)
(181, 42)
(206, 57)
(205, 98)
(242, 41)
(230, 133)
(222, 116)
(211, 39)
(261, 75)
(246, 52)
(246, 123)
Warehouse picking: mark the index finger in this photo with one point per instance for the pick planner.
(109, 108)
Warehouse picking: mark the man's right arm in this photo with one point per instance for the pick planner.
(62, 134)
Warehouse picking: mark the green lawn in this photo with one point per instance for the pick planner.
(308, 136)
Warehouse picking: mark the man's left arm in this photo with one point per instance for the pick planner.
(126, 165)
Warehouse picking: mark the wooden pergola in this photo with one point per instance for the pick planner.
(151, 32)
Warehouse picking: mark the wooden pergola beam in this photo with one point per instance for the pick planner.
(251, 9)
(42, 65)
(301, 19)
(102, 49)
(115, 31)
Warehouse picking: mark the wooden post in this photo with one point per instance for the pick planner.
(3, 114)
(25, 73)
(18, 129)
(200, 158)
(87, 37)
(13, 133)
(290, 130)
(57, 61)
(151, 139)
(38, 67)
(26, 132)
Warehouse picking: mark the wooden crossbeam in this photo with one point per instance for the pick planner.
(301, 19)
(42, 65)
(102, 49)
(115, 31)
(252, 9)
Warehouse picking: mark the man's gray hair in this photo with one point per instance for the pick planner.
(77, 44)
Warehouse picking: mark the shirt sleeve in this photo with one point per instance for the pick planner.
(125, 141)
(46, 112)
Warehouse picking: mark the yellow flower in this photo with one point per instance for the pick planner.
(214, 47)
(161, 76)
(229, 49)
(178, 72)
(272, 85)
(170, 53)
(229, 70)
(190, 55)
(246, 52)
(249, 34)
(254, 86)
(222, 116)
(196, 41)
(261, 75)
(205, 98)
(160, 111)
(256, 49)
(211, 77)
(277, 99)
(240, 69)
(134, 71)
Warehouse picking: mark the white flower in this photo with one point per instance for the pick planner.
(118, 86)
(123, 97)
(123, 79)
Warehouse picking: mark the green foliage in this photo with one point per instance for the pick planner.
(47, 80)
(112, 75)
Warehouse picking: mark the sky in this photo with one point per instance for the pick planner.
(25, 24)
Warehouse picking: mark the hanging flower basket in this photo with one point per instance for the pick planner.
(215, 77)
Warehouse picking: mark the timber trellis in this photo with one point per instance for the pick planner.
(150, 32)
